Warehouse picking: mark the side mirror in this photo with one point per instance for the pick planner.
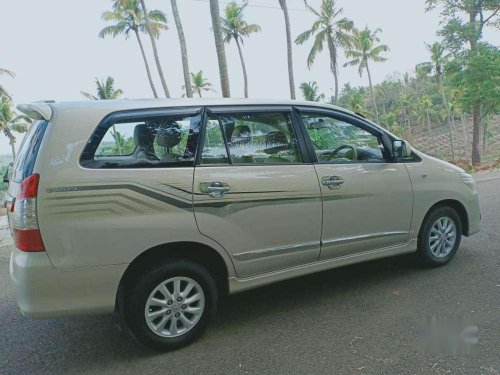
(6, 174)
(401, 149)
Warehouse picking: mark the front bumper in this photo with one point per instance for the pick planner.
(474, 215)
(43, 291)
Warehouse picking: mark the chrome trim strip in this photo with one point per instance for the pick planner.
(256, 254)
(344, 240)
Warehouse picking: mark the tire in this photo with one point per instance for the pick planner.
(138, 300)
(440, 223)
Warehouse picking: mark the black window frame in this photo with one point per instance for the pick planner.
(385, 138)
(87, 160)
(242, 109)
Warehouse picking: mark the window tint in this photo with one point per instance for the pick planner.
(214, 149)
(26, 157)
(257, 138)
(165, 141)
(339, 141)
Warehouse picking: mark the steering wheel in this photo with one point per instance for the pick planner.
(350, 154)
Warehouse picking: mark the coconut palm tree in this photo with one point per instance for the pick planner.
(182, 42)
(127, 17)
(406, 104)
(3, 91)
(310, 91)
(199, 83)
(219, 46)
(328, 28)
(11, 122)
(425, 112)
(106, 91)
(154, 34)
(357, 103)
(438, 57)
(234, 27)
(363, 51)
(291, 79)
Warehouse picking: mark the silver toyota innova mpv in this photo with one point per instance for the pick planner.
(157, 208)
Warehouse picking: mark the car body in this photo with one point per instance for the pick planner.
(250, 189)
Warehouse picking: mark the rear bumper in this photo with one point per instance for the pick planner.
(43, 291)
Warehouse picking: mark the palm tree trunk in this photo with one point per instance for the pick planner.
(12, 142)
(155, 50)
(291, 79)
(219, 46)
(333, 65)
(409, 127)
(245, 78)
(447, 107)
(464, 132)
(182, 41)
(148, 71)
(476, 127)
(430, 132)
(118, 145)
(371, 92)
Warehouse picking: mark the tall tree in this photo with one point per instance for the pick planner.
(153, 35)
(182, 42)
(463, 25)
(3, 91)
(310, 91)
(328, 28)
(200, 84)
(219, 46)
(11, 122)
(426, 111)
(289, 51)
(438, 58)
(364, 50)
(106, 91)
(234, 27)
(127, 17)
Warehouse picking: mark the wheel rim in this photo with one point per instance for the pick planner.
(442, 237)
(174, 306)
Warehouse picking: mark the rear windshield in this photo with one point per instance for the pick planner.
(26, 157)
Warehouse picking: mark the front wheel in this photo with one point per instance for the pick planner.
(170, 305)
(439, 237)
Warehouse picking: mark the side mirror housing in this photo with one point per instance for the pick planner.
(401, 149)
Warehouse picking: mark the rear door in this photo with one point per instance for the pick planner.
(255, 192)
(367, 198)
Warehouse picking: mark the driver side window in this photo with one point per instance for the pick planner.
(337, 141)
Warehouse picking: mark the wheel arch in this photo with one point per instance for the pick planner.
(194, 251)
(457, 206)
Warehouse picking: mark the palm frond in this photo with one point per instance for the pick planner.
(316, 48)
(88, 96)
(8, 72)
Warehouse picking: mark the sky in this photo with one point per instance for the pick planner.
(55, 52)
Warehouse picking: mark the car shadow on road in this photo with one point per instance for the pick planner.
(88, 342)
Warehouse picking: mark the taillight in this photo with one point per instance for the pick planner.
(24, 222)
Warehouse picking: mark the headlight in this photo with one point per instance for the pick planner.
(468, 180)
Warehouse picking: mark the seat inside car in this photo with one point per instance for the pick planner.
(143, 139)
(168, 136)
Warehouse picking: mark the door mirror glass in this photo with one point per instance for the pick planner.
(6, 175)
(401, 149)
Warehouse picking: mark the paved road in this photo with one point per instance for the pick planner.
(362, 319)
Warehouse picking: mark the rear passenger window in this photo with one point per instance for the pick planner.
(251, 138)
(154, 142)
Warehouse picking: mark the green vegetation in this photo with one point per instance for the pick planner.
(199, 83)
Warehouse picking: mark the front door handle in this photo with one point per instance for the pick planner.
(214, 189)
(333, 182)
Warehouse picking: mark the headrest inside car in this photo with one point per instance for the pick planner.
(168, 135)
(143, 135)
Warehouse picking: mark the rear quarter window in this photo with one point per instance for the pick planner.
(26, 157)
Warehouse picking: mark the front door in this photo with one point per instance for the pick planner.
(252, 192)
(367, 198)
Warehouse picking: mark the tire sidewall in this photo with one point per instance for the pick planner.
(134, 302)
(423, 246)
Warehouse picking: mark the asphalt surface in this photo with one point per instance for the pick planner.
(363, 319)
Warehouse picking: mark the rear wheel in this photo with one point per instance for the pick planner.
(169, 306)
(439, 236)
